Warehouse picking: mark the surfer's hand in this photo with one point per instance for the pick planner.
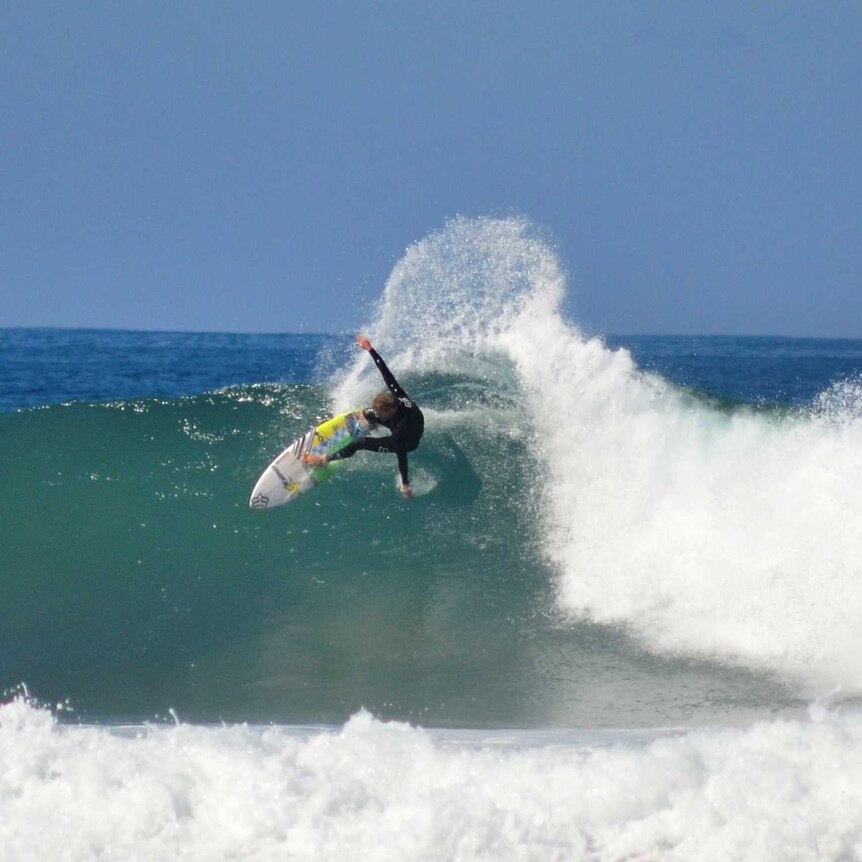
(363, 342)
(406, 491)
(314, 460)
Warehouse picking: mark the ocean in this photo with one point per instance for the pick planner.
(620, 619)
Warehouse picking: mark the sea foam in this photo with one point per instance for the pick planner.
(789, 790)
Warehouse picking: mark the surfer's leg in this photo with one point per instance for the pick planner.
(368, 444)
(347, 452)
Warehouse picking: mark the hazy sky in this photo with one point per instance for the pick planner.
(261, 166)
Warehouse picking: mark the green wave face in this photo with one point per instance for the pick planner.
(135, 577)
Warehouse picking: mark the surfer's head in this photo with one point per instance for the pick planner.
(384, 405)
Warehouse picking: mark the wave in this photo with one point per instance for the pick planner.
(135, 577)
(588, 530)
(729, 534)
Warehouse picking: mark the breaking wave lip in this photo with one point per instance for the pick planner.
(777, 789)
(840, 403)
(729, 534)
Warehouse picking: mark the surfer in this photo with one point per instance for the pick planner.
(394, 410)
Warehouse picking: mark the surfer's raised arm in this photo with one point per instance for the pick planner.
(394, 410)
(388, 377)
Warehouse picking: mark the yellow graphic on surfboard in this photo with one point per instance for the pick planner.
(287, 478)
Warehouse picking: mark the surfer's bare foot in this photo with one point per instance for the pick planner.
(407, 491)
(314, 460)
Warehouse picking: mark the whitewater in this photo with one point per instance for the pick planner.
(624, 626)
(728, 534)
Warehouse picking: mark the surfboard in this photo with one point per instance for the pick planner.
(287, 478)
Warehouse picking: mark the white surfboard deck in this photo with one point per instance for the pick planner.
(287, 478)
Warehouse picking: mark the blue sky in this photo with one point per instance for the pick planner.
(262, 166)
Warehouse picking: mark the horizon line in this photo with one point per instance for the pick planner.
(350, 332)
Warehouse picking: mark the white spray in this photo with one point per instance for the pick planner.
(736, 537)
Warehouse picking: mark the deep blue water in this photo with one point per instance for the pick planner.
(52, 366)
(759, 370)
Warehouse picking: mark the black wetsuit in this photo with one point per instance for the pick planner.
(406, 426)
